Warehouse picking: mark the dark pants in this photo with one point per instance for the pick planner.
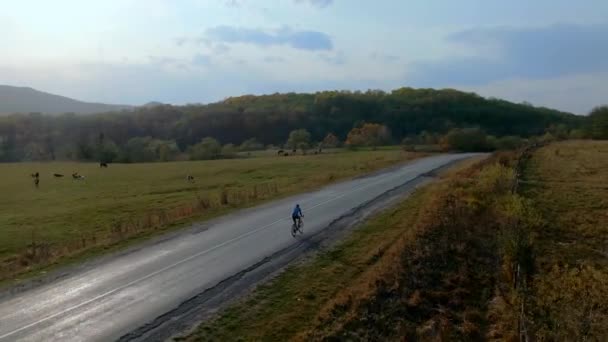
(294, 218)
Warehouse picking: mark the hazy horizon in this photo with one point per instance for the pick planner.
(549, 53)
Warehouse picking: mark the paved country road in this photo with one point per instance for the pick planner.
(116, 296)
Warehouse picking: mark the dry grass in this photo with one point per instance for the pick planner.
(436, 282)
(568, 183)
(568, 298)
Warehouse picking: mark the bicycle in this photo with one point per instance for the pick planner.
(297, 227)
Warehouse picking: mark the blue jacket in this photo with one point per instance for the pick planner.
(297, 211)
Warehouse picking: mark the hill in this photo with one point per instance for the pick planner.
(407, 112)
(28, 100)
(153, 104)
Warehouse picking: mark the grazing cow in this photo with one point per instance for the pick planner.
(190, 179)
(280, 152)
(102, 164)
(76, 176)
(35, 175)
(36, 181)
(57, 175)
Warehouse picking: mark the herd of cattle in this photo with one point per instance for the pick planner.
(294, 151)
(189, 178)
(36, 177)
(77, 176)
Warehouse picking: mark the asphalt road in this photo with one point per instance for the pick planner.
(123, 293)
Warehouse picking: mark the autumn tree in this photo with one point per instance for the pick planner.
(331, 140)
(369, 134)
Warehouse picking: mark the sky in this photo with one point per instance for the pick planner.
(550, 53)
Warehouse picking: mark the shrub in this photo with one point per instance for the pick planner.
(229, 151)
(208, 148)
(251, 145)
(598, 123)
(466, 140)
(510, 142)
(298, 139)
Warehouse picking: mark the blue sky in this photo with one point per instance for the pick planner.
(552, 53)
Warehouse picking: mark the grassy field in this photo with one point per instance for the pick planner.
(567, 183)
(65, 217)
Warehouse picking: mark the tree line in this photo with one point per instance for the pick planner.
(166, 132)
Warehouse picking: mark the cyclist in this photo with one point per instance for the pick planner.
(297, 214)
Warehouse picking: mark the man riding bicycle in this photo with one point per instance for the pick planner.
(297, 215)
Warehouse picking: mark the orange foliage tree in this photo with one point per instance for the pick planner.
(331, 140)
(370, 134)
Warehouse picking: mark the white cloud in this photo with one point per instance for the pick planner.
(316, 3)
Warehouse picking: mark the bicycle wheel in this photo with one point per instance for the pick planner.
(294, 230)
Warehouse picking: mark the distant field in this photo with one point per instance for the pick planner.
(66, 217)
(568, 183)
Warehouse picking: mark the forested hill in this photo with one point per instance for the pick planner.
(405, 111)
(270, 118)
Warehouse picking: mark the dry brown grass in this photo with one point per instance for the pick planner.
(568, 183)
(568, 298)
(437, 281)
